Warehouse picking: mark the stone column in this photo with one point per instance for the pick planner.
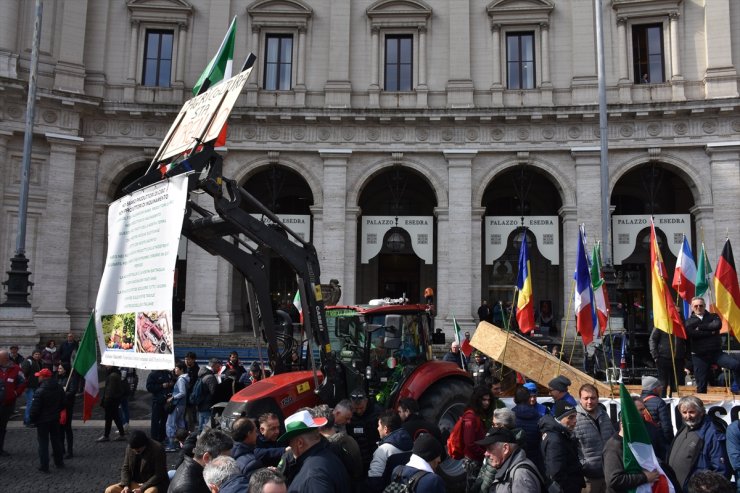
(459, 233)
(725, 164)
(51, 273)
(70, 70)
(374, 89)
(705, 232)
(583, 35)
(349, 294)
(338, 87)
(588, 187)
(421, 87)
(476, 241)
(624, 83)
(79, 284)
(335, 220)
(569, 219)
(95, 55)
(497, 94)
(129, 91)
(201, 299)
(721, 75)
(253, 83)
(300, 87)
(8, 38)
(459, 83)
(677, 82)
(5, 137)
(545, 85)
(442, 295)
(182, 34)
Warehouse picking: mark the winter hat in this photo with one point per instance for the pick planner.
(298, 423)
(531, 386)
(427, 447)
(650, 383)
(497, 435)
(559, 383)
(562, 409)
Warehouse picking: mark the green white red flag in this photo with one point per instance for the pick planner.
(86, 364)
(297, 303)
(459, 341)
(601, 298)
(637, 450)
(219, 68)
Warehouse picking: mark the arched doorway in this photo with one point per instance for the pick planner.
(286, 194)
(649, 190)
(517, 198)
(135, 172)
(397, 234)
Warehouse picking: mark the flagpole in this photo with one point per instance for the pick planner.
(508, 331)
(565, 329)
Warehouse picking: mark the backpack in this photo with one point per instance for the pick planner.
(526, 465)
(398, 486)
(455, 444)
(197, 396)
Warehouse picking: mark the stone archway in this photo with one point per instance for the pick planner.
(397, 234)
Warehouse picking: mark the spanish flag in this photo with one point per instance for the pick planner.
(727, 290)
(524, 303)
(665, 315)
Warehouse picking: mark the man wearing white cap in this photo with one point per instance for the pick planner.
(318, 469)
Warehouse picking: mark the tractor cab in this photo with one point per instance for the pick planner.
(380, 346)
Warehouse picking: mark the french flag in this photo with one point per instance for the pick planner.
(584, 296)
(684, 275)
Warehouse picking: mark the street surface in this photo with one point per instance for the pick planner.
(94, 466)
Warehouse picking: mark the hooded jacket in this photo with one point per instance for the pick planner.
(393, 443)
(660, 412)
(428, 483)
(560, 455)
(210, 382)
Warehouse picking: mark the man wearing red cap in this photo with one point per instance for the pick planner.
(48, 402)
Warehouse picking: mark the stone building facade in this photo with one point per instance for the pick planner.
(410, 137)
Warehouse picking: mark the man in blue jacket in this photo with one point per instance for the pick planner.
(426, 456)
(699, 445)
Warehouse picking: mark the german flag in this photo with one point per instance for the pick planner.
(727, 289)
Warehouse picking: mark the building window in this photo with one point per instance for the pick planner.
(520, 65)
(158, 58)
(278, 62)
(399, 55)
(647, 54)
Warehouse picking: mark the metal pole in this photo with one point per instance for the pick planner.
(18, 283)
(603, 131)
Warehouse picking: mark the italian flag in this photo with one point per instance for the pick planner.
(459, 340)
(298, 305)
(601, 298)
(219, 68)
(637, 452)
(86, 364)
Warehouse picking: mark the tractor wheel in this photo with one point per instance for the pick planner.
(443, 403)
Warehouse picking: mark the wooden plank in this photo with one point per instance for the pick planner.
(529, 359)
(540, 366)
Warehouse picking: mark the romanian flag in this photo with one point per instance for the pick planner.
(583, 296)
(524, 303)
(219, 68)
(684, 276)
(665, 315)
(637, 450)
(727, 290)
(601, 297)
(86, 364)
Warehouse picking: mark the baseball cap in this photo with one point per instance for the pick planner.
(46, 373)
(497, 435)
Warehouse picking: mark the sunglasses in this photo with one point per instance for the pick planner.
(698, 306)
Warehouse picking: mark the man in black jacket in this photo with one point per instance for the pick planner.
(144, 466)
(702, 328)
(159, 383)
(617, 479)
(112, 395)
(667, 351)
(189, 475)
(560, 448)
(364, 425)
(48, 402)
